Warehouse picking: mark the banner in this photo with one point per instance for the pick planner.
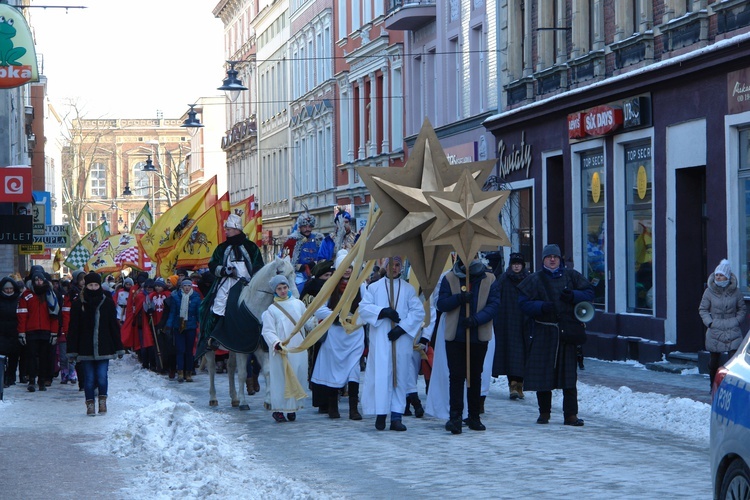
(142, 223)
(116, 252)
(81, 253)
(167, 229)
(254, 228)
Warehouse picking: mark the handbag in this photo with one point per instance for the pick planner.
(571, 330)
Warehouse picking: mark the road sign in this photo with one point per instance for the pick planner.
(34, 248)
(55, 236)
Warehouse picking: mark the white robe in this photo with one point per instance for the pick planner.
(276, 328)
(338, 357)
(378, 395)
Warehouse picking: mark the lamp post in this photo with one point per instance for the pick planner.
(192, 123)
(232, 86)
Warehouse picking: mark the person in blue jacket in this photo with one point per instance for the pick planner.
(183, 322)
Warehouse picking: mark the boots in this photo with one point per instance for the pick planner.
(413, 398)
(188, 376)
(481, 404)
(353, 400)
(574, 421)
(543, 418)
(333, 403)
(519, 389)
(513, 390)
(90, 408)
(180, 376)
(102, 404)
(454, 425)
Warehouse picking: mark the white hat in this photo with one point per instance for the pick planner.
(724, 268)
(233, 221)
(340, 256)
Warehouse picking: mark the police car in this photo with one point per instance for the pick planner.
(730, 427)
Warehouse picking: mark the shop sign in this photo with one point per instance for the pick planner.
(45, 255)
(15, 184)
(636, 112)
(602, 120)
(55, 236)
(18, 57)
(463, 153)
(516, 159)
(738, 90)
(31, 248)
(575, 126)
(16, 230)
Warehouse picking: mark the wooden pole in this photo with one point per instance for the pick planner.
(467, 288)
(390, 303)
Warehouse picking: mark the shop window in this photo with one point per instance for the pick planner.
(744, 205)
(639, 224)
(592, 214)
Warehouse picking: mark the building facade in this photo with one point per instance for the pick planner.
(626, 126)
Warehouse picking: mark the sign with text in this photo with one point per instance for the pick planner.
(55, 236)
(31, 248)
(738, 90)
(18, 64)
(46, 255)
(630, 113)
(16, 230)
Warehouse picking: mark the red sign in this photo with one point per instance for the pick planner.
(47, 255)
(15, 184)
(602, 120)
(575, 125)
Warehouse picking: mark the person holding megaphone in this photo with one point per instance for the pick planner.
(549, 296)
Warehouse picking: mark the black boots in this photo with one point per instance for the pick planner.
(353, 388)
(413, 400)
(455, 424)
(333, 403)
(380, 422)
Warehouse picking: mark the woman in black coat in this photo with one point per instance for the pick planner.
(94, 338)
(9, 345)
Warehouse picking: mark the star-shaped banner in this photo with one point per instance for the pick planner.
(467, 218)
(407, 216)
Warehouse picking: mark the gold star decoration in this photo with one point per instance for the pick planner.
(407, 215)
(467, 218)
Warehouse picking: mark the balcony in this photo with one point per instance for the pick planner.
(410, 15)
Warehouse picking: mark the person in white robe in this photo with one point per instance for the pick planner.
(278, 322)
(337, 364)
(394, 312)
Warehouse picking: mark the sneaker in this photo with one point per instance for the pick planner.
(291, 416)
(278, 416)
(397, 425)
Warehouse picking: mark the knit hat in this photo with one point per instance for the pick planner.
(187, 282)
(306, 219)
(160, 282)
(149, 283)
(724, 268)
(517, 258)
(234, 222)
(128, 281)
(93, 277)
(277, 280)
(340, 256)
(321, 268)
(551, 250)
(173, 280)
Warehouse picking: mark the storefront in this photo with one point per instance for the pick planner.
(644, 181)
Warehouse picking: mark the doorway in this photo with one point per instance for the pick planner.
(556, 205)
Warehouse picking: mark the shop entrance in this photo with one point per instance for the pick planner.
(690, 256)
(556, 205)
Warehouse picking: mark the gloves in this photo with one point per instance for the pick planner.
(395, 333)
(231, 270)
(390, 313)
(567, 296)
(470, 322)
(548, 307)
(278, 346)
(423, 342)
(464, 297)
(53, 339)
(22, 338)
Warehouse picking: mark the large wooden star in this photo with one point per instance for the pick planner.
(467, 218)
(407, 216)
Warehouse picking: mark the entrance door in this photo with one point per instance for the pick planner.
(556, 205)
(690, 255)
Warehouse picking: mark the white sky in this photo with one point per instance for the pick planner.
(128, 59)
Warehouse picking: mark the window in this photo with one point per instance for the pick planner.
(479, 70)
(454, 80)
(744, 206)
(142, 183)
(639, 224)
(592, 223)
(182, 175)
(92, 220)
(98, 177)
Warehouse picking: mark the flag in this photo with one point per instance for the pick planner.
(195, 247)
(56, 263)
(168, 228)
(81, 253)
(244, 209)
(142, 223)
(116, 252)
(254, 228)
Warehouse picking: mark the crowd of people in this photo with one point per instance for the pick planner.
(483, 321)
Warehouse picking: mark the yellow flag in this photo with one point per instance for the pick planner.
(194, 249)
(56, 263)
(142, 222)
(168, 228)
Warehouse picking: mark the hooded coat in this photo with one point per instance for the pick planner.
(9, 319)
(722, 310)
(94, 329)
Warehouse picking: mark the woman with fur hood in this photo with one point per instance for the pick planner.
(94, 339)
(9, 293)
(722, 310)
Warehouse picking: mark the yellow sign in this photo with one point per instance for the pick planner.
(18, 64)
(641, 182)
(596, 187)
(31, 249)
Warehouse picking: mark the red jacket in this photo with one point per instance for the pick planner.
(33, 314)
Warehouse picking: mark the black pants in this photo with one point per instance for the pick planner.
(570, 402)
(38, 360)
(714, 361)
(456, 354)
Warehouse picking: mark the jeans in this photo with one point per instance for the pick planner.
(184, 342)
(38, 360)
(95, 375)
(456, 353)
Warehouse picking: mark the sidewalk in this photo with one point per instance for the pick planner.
(666, 378)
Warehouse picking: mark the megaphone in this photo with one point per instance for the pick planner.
(584, 312)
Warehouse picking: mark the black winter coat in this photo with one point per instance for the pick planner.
(512, 328)
(9, 320)
(94, 330)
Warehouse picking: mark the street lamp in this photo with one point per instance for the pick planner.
(127, 191)
(192, 123)
(149, 166)
(232, 86)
